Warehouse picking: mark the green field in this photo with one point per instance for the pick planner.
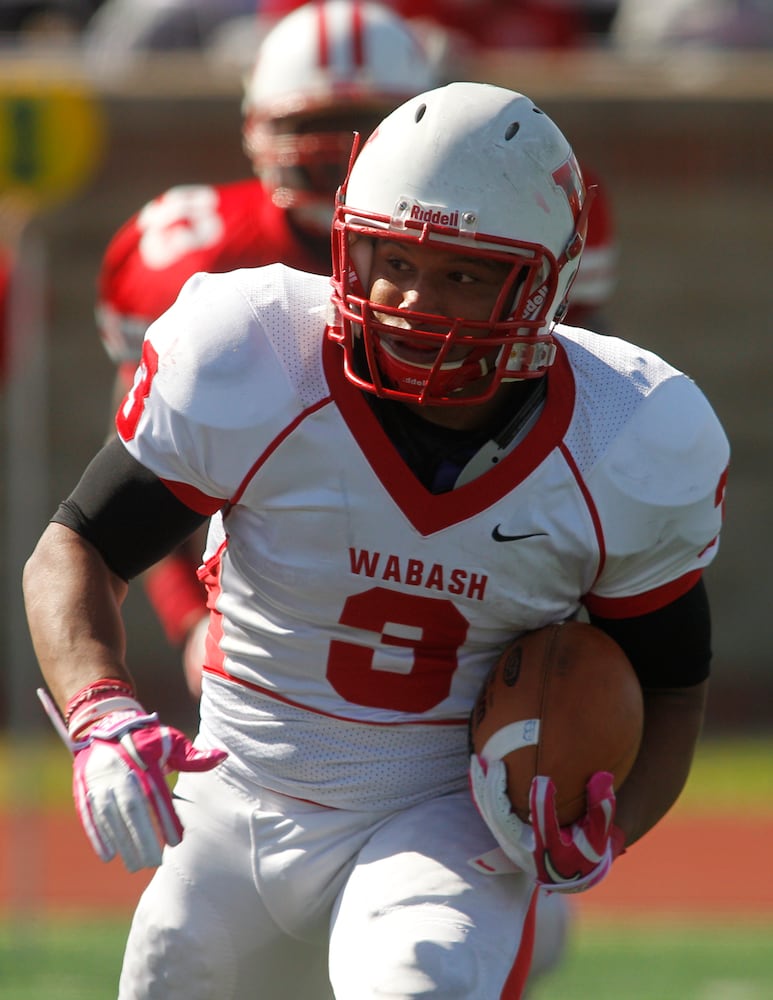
(639, 961)
(69, 961)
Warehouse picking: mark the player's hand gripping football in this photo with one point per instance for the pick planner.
(119, 785)
(562, 859)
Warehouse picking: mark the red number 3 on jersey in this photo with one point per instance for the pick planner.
(431, 630)
(130, 411)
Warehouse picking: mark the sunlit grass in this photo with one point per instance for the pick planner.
(637, 960)
(641, 960)
(63, 959)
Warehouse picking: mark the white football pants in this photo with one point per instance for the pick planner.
(272, 898)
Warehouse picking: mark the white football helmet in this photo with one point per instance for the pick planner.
(325, 71)
(474, 166)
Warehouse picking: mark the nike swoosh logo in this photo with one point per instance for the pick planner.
(497, 535)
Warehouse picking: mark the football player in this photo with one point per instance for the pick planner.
(401, 477)
(323, 72)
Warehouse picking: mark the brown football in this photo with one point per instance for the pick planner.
(562, 701)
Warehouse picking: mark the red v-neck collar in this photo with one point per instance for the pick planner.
(430, 512)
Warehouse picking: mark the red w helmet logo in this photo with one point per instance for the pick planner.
(569, 178)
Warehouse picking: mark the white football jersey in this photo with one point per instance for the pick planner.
(355, 614)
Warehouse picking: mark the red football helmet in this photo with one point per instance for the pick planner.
(324, 71)
(467, 166)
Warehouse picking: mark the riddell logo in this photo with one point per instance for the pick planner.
(535, 301)
(438, 216)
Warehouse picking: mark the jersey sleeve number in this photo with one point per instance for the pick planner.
(410, 663)
(130, 411)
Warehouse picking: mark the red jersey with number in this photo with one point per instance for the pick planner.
(354, 613)
(187, 229)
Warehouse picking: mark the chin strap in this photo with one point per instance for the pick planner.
(508, 438)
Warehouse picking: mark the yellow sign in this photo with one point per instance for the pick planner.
(51, 140)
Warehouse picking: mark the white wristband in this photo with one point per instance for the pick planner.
(92, 711)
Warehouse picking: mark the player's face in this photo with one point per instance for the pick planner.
(430, 280)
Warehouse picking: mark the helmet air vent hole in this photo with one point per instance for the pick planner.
(537, 111)
(512, 130)
(420, 112)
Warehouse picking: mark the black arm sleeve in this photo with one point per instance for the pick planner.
(670, 647)
(126, 512)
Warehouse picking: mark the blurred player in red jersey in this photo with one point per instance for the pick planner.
(326, 70)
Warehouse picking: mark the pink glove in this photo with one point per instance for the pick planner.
(562, 859)
(119, 785)
(577, 857)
